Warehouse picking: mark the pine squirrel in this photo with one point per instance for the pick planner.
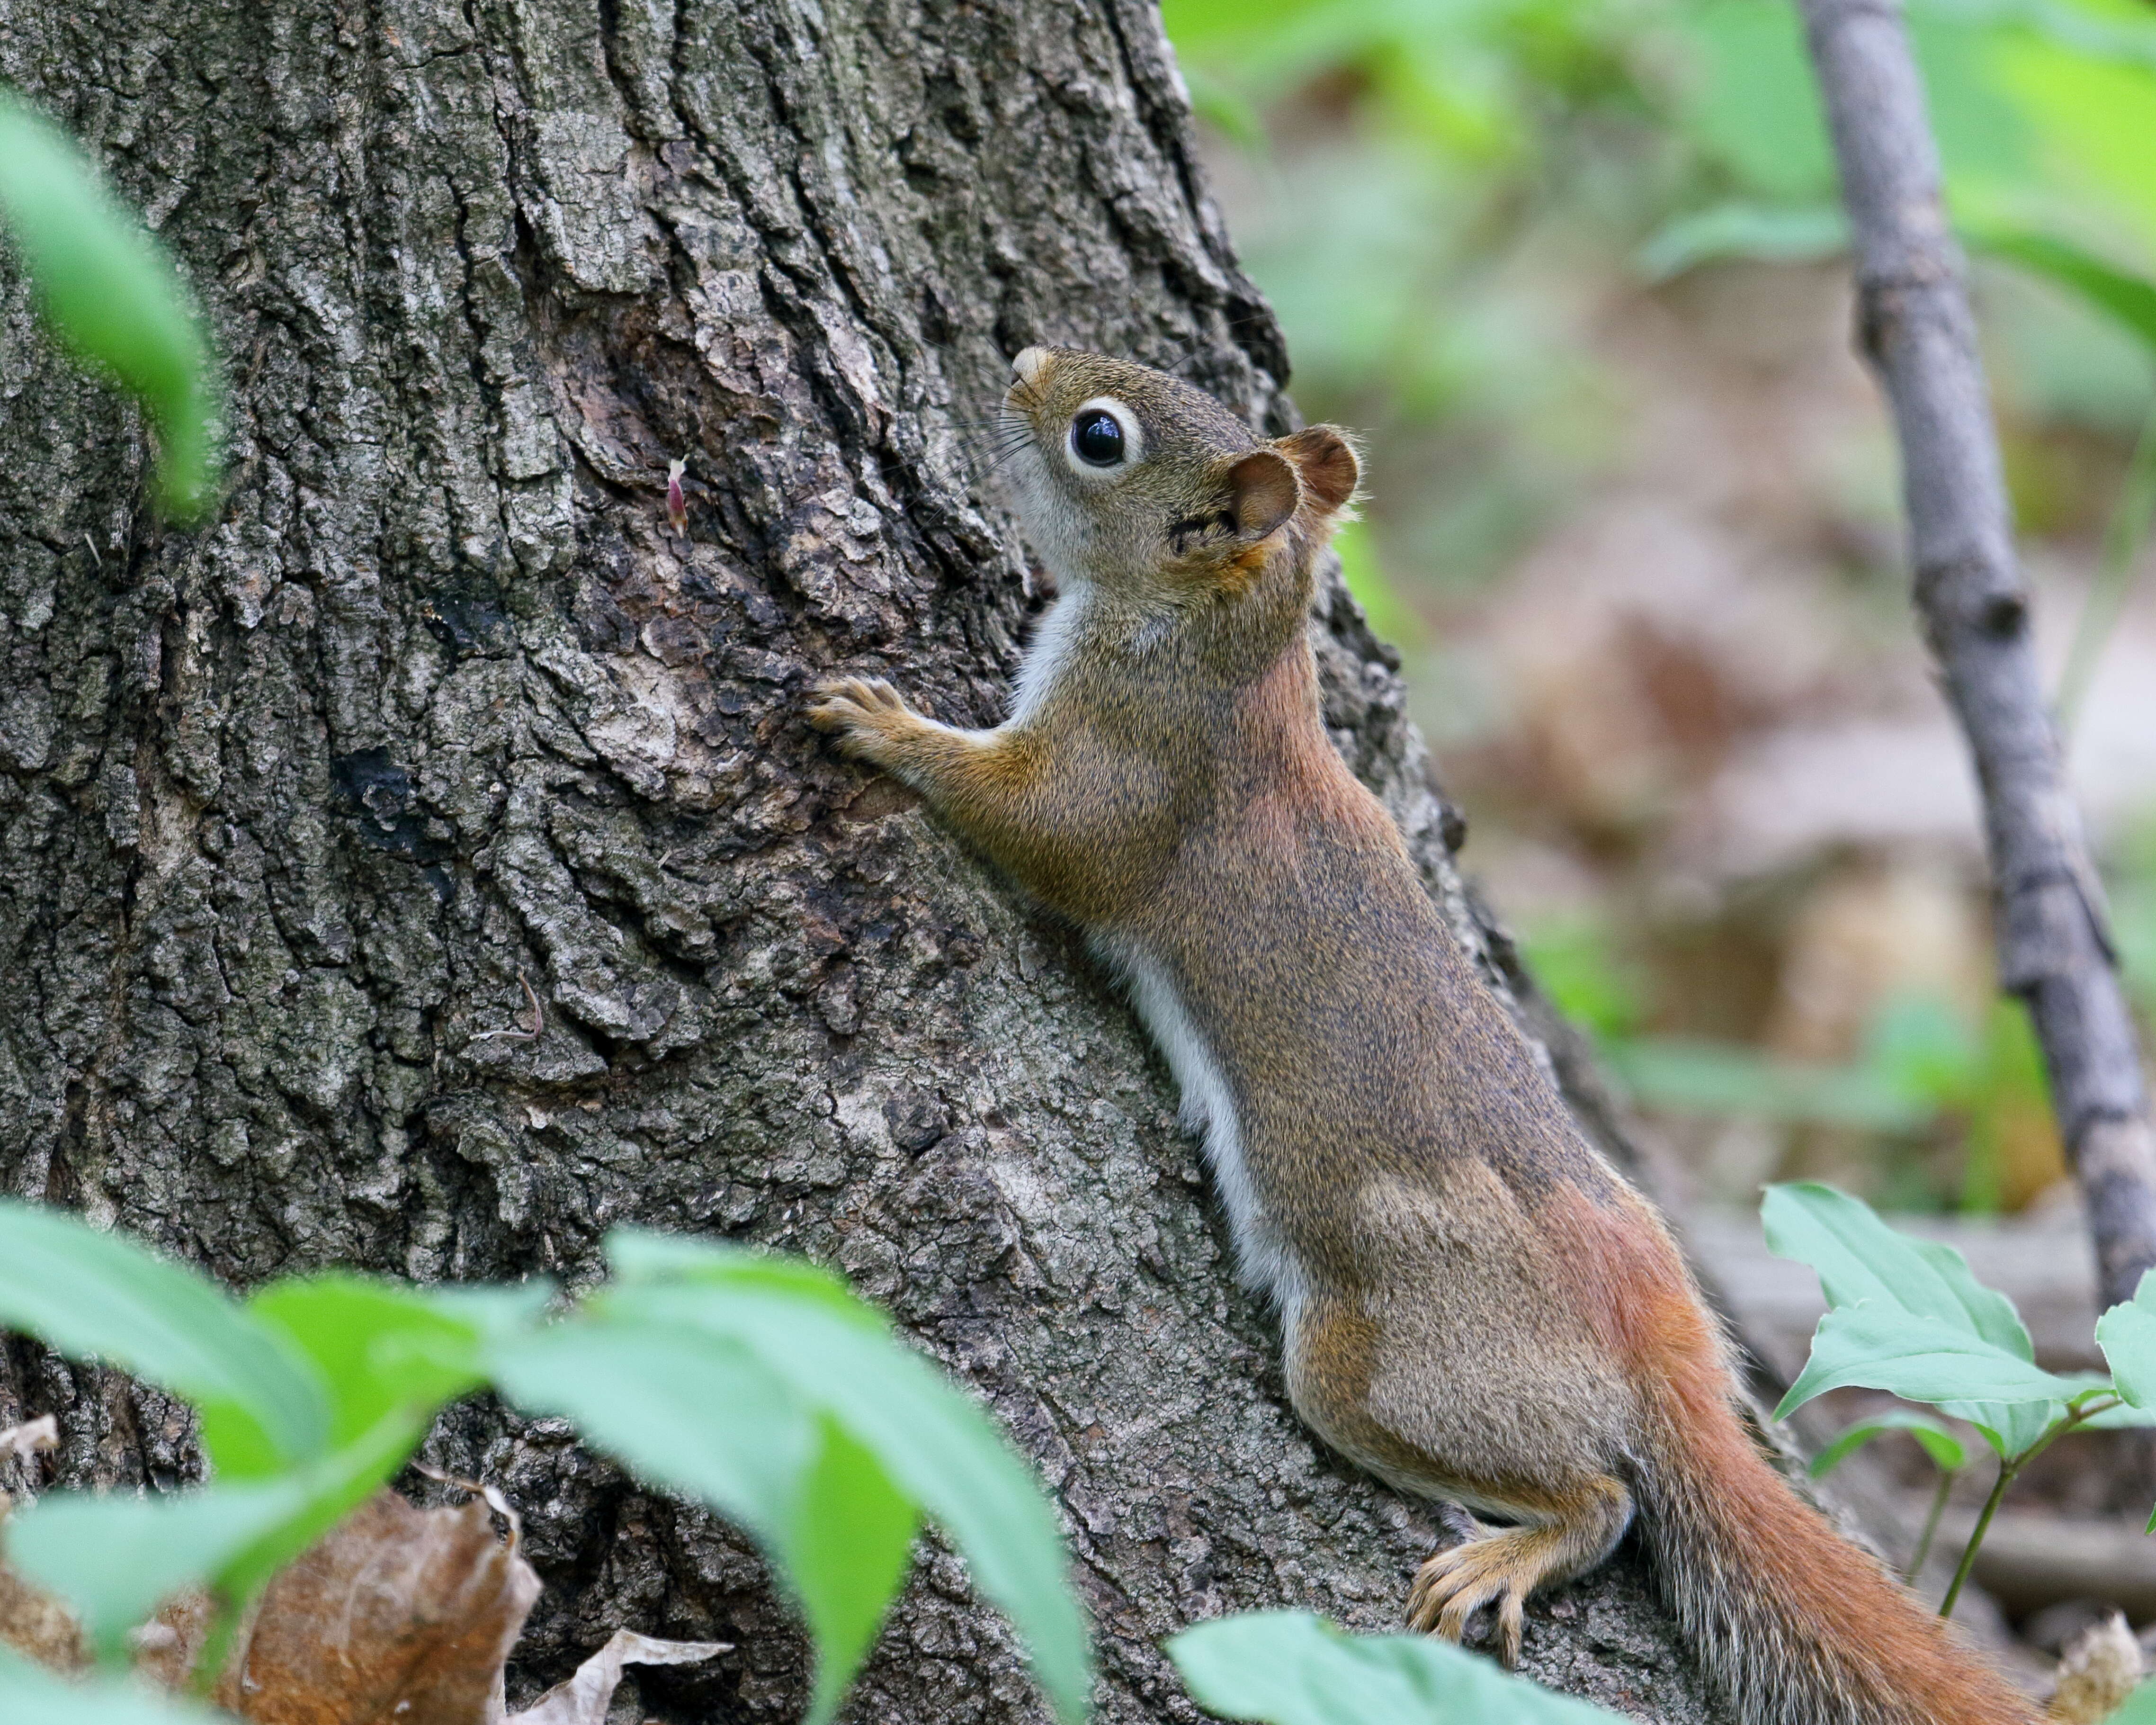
(1475, 1307)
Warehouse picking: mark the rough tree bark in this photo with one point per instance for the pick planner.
(1914, 328)
(424, 867)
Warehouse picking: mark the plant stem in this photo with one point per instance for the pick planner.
(2007, 1469)
(2123, 540)
(1931, 1526)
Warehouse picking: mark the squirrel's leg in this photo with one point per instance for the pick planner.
(1444, 1423)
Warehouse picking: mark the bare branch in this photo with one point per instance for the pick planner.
(1915, 327)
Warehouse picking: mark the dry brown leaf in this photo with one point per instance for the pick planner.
(583, 1700)
(31, 1621)
(401, 1616)
(35, 1624)
(2098, 1670)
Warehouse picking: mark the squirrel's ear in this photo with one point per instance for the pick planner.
(1266, 493)
(1327, 460)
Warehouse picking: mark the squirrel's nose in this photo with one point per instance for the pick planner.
(1028, 362)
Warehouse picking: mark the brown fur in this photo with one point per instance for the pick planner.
(1475, 1305)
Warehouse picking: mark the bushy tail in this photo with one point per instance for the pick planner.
(1799, 1625)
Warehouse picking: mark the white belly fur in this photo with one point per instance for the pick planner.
(1209, 1110)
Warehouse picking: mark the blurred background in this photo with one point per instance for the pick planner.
(1575, 269)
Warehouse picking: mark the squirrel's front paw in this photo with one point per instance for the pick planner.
(869, 716)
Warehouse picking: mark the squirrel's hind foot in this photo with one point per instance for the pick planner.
(1501, 1568)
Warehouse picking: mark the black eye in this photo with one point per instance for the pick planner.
(1097, 437)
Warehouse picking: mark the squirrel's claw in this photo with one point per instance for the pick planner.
(1497, 1568)
(870, 717)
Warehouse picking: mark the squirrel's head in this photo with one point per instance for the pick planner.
(1126, 476)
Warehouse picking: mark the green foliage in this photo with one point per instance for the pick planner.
(760, 1386)
(1692, 1076)
(1947, 1452)
(30, 1695)
(1906, 1316)
(111, 295)
(1292, 1668)
(1904, 1308)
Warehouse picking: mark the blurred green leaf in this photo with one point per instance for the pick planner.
(30, 1695)
(2124, 296)
(852, 1546)
(1752, 107)
(690, 1411)
(115, 1556)
(1773, 234)
(1390, 616)
(88, 1294)
(2139, 1708)
(1292, 1668)
(1947, 1452)
(1859, 1259)
(379, 1346)
(1926, 1049)
(940, 1447)
(1692, 1076)
(699, 1414)
(1573, 961)
(111, 294)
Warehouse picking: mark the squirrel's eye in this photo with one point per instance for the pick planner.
(1096, 438)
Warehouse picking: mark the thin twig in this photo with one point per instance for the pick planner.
(528, 1033)
(1916, 329)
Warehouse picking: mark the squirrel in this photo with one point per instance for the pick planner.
(1475, 1306)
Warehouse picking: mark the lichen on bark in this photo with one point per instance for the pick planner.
(425, 866)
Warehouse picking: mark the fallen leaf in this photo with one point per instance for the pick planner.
(583, 1700)
(400, 1616)
(35, 1624)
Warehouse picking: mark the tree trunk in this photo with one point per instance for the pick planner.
(425, 867)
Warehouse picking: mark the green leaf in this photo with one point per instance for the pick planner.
(1859, 1258)
(88, 1294)
(115, 1556)
(693, 1412)
(937, 1445)
(2139, 1708)
(379, 1346)
(1924, 1360)
(1774, 234)
(701, 1415)
(111, 294)
(2126, 1334)
(1946, 1450)
(636, 1255)
(2128, 298)
(1692, 1074)
(1755, 108)
(851, 1546)
(30, 1695)
(1292, 1668)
